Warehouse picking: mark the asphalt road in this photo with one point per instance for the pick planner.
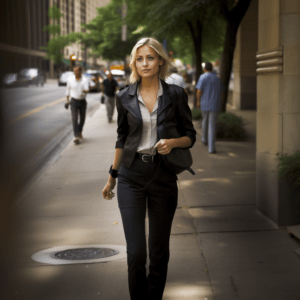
(37, 126)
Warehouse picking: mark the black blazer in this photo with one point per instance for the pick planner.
(173, 105)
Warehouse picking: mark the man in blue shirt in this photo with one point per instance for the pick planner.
(209, 95)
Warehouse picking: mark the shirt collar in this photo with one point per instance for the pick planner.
(159, 92)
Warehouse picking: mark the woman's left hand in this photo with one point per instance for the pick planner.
(164, 147)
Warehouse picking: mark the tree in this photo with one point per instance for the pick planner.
(174, 19)
(233, 19)
(57, 43)
(194, 27)
(103, 34)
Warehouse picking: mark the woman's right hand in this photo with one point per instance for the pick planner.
(107, 192)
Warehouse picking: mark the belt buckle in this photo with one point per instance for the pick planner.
(144, 160)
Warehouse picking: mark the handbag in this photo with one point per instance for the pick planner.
(179, 159)
(102, 98)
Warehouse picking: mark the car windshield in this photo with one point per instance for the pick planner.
(29, 72)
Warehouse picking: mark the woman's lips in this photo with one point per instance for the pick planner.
(147, 70)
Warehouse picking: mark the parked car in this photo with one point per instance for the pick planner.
(35, 76)
(102, 75)
(63, 77)
(95, 80)
(119, 76)
(15, 80)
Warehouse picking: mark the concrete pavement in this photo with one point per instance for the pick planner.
(222, 248)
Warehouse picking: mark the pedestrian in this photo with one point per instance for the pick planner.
(209, 101)
(109, 87)
(175, 78)
(77, 87)
(144, 181)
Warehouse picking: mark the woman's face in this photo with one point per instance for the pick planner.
(147, 62)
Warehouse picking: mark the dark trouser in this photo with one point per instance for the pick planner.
(78, 107)
(110, 106)
(161, 199)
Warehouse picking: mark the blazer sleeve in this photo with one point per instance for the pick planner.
(123, 126)
(184, 117)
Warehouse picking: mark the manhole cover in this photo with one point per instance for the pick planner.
(85, 253)
(80, 254)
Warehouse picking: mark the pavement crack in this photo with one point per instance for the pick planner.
(185, 233)
(237, 231)
(234, 287)
(215, 206)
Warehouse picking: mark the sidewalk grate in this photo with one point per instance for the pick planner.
(85, 253)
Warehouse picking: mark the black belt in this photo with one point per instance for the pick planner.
(147, 158)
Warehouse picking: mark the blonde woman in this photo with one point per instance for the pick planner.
(144, 181)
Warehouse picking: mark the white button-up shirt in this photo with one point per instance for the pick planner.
(149, 135)
(177, 79)
(75, 89)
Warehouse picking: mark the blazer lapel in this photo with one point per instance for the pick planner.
(131, 102)
(165, 99)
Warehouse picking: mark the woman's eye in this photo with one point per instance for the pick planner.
(139, 59)
(150, 58)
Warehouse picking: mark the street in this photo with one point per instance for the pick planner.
(37, 125)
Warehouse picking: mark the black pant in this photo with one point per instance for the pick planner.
(78, 107)
(161, 199)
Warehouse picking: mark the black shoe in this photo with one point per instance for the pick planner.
(205, 143)
(213, 152)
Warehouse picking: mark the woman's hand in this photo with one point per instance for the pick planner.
(107, 192)
(164, 147)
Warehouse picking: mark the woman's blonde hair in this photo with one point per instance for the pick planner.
(159, 49)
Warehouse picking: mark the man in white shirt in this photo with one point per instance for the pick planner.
(175, 78)
(77, 87)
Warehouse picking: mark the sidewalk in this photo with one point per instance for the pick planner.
(222, 248)
(52, 81)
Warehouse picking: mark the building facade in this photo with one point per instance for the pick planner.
(266, 78)
(22, 35)
(75, 13)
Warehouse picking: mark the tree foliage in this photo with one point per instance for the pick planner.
(103, 34)
(168, 19)
(57, 43)
(173, 20)
(196, 23)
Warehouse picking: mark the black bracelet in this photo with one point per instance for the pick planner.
(113, 173)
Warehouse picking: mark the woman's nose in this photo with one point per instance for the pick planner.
(145, 62)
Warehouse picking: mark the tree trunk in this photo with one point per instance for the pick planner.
(197, 40)
(199, 71)
(226, 61)
(233, 18)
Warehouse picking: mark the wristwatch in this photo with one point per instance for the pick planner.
(113, 173)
